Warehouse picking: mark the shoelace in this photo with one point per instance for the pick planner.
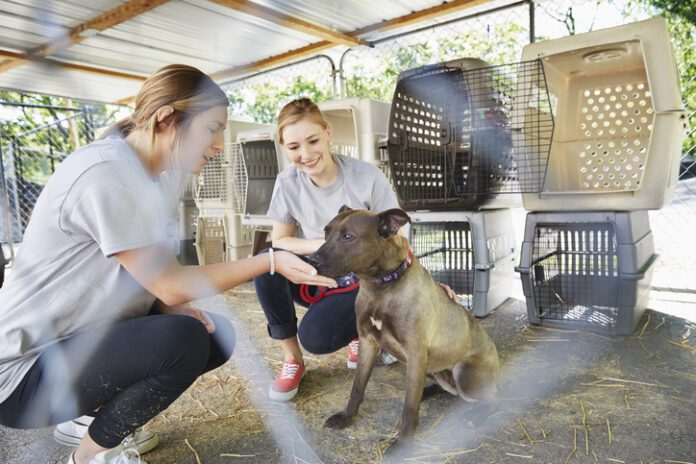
(126, 457)
(354, 346)
(289, 371)
(130, 439)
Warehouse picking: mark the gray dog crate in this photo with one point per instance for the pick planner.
(472, 252)
(588, 270)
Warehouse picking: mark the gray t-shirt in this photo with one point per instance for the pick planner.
(99, 202)
(296, 200)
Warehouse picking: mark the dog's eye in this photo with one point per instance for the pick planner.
(347, 237)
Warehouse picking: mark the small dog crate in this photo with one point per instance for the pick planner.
(221, 237)
(472, 252)
(619, 119)
(462, 134)
(588, 270)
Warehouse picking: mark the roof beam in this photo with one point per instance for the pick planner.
(443, 9)
(11, 56)
(82, 31)
(273, 60)
(290, 22)
(405, 20)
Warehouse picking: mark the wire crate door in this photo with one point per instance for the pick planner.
(462, 133)
(575, 272)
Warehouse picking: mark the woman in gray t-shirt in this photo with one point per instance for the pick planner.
(305, 198)
(77, 333)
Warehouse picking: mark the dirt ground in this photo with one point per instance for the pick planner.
(566, 396)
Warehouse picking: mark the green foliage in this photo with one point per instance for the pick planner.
(377, 79)
(42, 137)
(267, 99)
(685, 9)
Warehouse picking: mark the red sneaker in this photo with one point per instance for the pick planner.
(287, 382)
(353, 349)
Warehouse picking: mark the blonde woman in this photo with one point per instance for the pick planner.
(94, 318)
(305, 198)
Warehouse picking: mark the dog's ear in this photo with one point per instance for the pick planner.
(391, 220)
(345, 208)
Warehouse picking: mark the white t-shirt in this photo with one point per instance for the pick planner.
(296, 200)
(100, 201)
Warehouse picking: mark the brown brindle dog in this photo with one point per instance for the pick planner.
(402, 309)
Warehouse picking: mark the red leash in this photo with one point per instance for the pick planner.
(323, 293)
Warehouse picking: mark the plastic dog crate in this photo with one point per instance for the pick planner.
(619, 119)
(357, 125)
(221, 237)
(467, 136)
(589, 270)
(472, 252)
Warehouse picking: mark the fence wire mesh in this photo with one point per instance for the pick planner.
(260, 96)
(496, 37)
(33, 146)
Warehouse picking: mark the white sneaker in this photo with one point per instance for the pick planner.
(70, 434)
(118, 455)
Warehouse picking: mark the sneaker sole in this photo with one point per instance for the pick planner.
(352, 364)
(67, 440)
(71, 440)
(282, 396)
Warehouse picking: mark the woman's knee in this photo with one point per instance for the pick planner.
(185, 340)
(225, 336)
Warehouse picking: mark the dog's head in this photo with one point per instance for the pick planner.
(363, 242)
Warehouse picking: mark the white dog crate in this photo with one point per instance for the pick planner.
(472, 252)
(221, 237)
(357, 125)
(619, 119)
(589, 270)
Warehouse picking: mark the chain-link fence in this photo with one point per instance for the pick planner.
(260, 96)
(496, 36)
(30, 156)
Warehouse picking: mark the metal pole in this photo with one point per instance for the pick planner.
(15, 193)
(341, 74)
(5, 206)
(532, 32)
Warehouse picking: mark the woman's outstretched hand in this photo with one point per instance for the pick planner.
(299, 272)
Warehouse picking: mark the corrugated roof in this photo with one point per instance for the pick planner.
(219, 37)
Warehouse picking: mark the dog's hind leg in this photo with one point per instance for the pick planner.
(446, 381)
(476, 381)
(369, 349)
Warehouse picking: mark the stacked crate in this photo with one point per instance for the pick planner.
(465, 139)
(588, 251)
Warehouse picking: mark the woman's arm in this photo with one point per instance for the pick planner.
(283, 236)
(157, 270)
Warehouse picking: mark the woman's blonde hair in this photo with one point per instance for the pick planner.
(297, 110)
(186, 89)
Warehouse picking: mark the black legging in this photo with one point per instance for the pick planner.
(132, 370)
(328, 324)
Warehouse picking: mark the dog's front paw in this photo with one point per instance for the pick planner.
(398, 450)
(339, 421)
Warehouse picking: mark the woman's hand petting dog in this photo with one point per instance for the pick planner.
(450, 293)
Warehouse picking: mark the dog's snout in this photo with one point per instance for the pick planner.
(313, 260)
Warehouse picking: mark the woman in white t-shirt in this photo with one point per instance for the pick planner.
(94, 318)
(305, 198)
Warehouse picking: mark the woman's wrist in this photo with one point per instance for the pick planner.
(272, 261)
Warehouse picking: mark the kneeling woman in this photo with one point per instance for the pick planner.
(79, 326)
